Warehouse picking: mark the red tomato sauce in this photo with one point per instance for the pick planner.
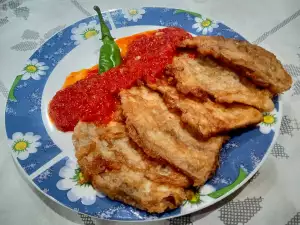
(94, 99)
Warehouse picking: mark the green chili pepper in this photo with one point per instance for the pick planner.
(110, 55)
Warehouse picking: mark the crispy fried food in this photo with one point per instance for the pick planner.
(160, 134)
(207, 117)
(203, 76)
(117, 167)
(258, 64)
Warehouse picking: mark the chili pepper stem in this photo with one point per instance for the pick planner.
(104, 29)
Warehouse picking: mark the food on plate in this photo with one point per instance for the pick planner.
(94, 98)
(149, 128)
(206, 117)
(202, 76)
(256, 63)
(73, 77)
(118, 167)
(161, 135)
(124, 42)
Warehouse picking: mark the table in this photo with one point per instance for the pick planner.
(271, 197)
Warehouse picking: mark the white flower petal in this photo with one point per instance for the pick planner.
(264, 129)
(204, 31)
(17, 136)
(31, 149)
(142, 11)
(134, 19)
(72, 197)
(74, 194)
(10, 142)
(76, 37)
(65, 184)
(198, 20)
(35, 76)
(100, 195)
(215, 25)
(88, 200)
(34, 61)
(71, 164)
(93, 23)
(29, 136)
(66, 172)
(196, 25)
(126, 14)
(199, 29)
(40, 64)
(82, 25)
(206, 189)
(36, 144)
(74, 30)
(188, 207)
(206, 199)
(43, 68)
(28, 62)
(41, 73)
(210, 29)
(26, 76)
(23, 155)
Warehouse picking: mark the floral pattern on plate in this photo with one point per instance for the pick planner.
(34, 69)
(269, 122)
(24, 144)
(204, 25)
(77, 187)
(85, 31)
(133, 14)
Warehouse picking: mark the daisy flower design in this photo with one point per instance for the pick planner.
(198, 198)
(78, 188)
(133, 14)
(24, 144)
(34, 69)
(85, 31)
(269, 122)
(204, 25)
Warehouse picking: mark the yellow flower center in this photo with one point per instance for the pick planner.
(90, 33)
(206, 23)
(195, 199)
(269, 119)
(81, 179)
(21, 146)
(133, 12)
(31, 69)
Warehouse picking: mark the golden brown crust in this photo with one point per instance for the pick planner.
(136, 190)
(203, 75)
(160, 134)
(258, 64)
(118, 168)
(207, 117)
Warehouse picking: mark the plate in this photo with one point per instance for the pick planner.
(46, 156)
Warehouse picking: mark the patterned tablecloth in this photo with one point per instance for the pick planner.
(271, 197)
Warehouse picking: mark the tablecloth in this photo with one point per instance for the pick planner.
(271, 197)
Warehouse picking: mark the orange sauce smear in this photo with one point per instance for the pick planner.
(123, 44)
